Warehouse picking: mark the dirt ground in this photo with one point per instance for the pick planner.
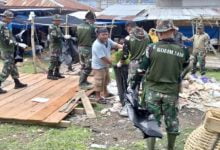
(113, 130)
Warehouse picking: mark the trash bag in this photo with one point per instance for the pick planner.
(141, 118)
(69, 52)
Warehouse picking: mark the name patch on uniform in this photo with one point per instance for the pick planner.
(170, 52)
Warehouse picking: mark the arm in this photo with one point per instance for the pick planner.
(190, 39)
(106, 60)
(143, 66)
(125, 52)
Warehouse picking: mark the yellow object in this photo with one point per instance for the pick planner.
(153, 36)
(116, 57)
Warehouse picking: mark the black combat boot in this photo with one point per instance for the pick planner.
(18, 84)
(51, 76)
(57, 73)
(1, 90)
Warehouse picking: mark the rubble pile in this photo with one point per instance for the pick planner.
(200, 92)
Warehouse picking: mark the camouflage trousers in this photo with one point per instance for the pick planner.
(163, 105)
(199, 57)
(133, 66)
(54, 63)
(9, 68)
(85, 56)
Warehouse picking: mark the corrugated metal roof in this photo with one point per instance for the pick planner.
(152, 12)
(66, 4)
(123, 11)
(155, 13)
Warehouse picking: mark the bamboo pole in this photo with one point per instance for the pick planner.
(32, 16)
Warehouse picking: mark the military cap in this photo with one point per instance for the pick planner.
(8, 14)
(165, 25)
(90, 15)
(138, 32)
(57, 17)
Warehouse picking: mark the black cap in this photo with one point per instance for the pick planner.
(90, 15)
(101, 30)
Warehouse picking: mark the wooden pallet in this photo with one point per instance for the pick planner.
(17, 104)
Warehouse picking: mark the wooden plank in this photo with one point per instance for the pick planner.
(15, 93)
(57, 115)
(13, 104)
(44, 112)
(87, 105)
(28, 108)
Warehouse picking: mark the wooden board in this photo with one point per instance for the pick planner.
(88, 106)
(58, 114)
(17, 105)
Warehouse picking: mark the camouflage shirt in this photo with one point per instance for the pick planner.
(135, 44)
(7, 41)
(163, 63)
(86, 34)
(55, 40)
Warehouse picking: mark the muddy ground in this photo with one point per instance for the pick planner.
(113, 130)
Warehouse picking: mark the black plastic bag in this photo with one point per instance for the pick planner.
(70, 54)
(141, 118)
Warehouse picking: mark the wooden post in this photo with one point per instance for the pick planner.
(31, 17)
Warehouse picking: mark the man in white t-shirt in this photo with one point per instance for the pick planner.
(101, 61)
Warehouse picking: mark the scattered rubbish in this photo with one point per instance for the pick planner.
(98, 146)
(40, 100)
(199, 92)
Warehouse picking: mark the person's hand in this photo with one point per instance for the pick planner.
(22, 45)
(67, 37)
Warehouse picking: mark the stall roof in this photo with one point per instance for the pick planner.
(47, 20)
(123, 11)
(65, 4)
(180, 13)
(153, 12)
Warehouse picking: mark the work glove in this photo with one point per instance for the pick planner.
(22, 45)
(119, 64)
(67, 37)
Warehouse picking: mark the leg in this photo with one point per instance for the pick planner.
(57, 71)
(15, 76)
(99, 84)
(195, 60)
(52, 66)
(151, 143)
(86, 71)
(4, 74)
(153, 104)
(170, 110)
(202, 64)
(106, 81)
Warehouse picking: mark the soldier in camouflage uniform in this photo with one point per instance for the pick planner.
(162, 66)
(200, 45)
(134, 48)
(7, 48)
(55, 45)
(86, 36)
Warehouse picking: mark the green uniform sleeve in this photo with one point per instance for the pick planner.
(143, 66)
